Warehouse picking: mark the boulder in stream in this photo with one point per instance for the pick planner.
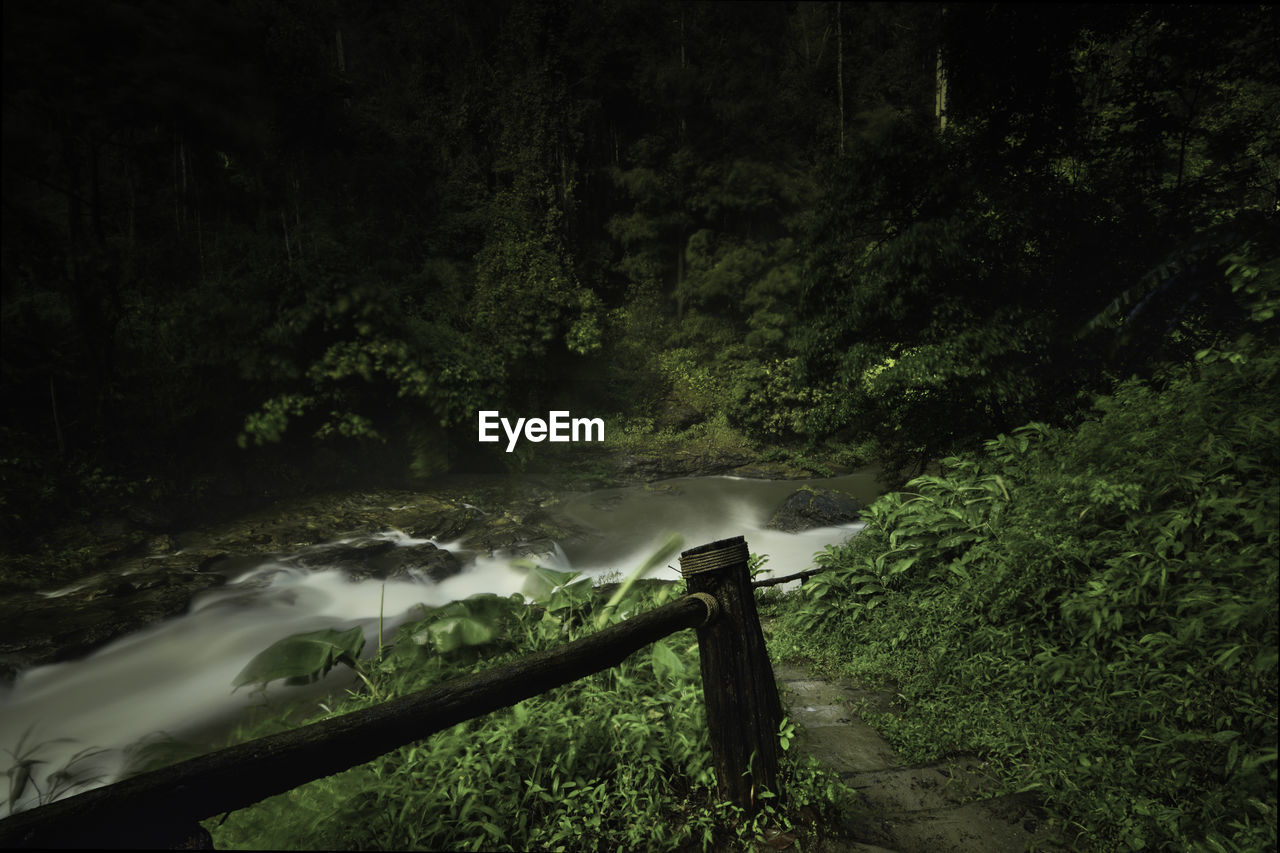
(407, 561)
(345, 555)
(808, 508)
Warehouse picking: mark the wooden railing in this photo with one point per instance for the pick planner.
(162, 808)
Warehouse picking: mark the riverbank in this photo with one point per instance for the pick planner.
(130, 561)
(128, 516)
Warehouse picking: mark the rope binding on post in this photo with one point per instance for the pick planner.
(713, 606)
(708, 561)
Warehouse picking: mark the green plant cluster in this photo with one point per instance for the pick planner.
(616, 761)
(1095, 609)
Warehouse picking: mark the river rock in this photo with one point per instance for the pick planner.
(446, 524)
(39, 629)
(162, 544)
(348, 556)
(407, 561)
(528, 531)
(809, 508)
(513, 537)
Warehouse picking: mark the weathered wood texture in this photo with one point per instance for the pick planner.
(743, 709)
(161, 808)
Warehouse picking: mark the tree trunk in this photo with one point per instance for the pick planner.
(284, 225)
(57, 422)
(683, 65)
(940, 95)
(840, 73)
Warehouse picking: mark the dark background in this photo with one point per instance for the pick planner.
(263, 244)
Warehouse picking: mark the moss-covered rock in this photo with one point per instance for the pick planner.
(808, 508)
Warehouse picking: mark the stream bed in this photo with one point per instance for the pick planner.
(173, 679)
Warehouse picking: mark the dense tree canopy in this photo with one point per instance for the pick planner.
(907, 226)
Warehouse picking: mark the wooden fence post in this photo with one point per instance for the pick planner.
(743, 709)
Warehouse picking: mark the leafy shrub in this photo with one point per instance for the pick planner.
(619, 760)
(1094, 609)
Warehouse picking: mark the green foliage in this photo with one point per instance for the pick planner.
(1094, 609)
(1256, 282)
(269, 423)
(462, 623)
(929, 315)
(725, 277)
(527, 294)
(692, 382)
(710, 438)
(616, 760)
(1182, 124)
(303, 658)
(370, 355)
(935, 307)
(772, 399)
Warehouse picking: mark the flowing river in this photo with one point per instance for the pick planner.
(174, 678)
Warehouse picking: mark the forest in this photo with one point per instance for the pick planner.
(1023, 257)
(273, 224)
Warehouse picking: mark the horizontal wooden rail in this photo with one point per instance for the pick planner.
(798, 576)
(161, 808)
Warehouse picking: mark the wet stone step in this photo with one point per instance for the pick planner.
(1008, 824)
(928, 786)
(828, 726)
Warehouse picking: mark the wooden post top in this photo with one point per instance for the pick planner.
(714, 555)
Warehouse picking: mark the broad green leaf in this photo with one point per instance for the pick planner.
(458, 631)
(902, 565)
(303, 658)
(490, 608)
(571, 596)
(665, 661)
(541, 583)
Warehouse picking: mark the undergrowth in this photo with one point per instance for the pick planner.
(619, 760)
(1094, 610)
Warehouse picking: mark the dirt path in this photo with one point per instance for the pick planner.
(924, 808)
